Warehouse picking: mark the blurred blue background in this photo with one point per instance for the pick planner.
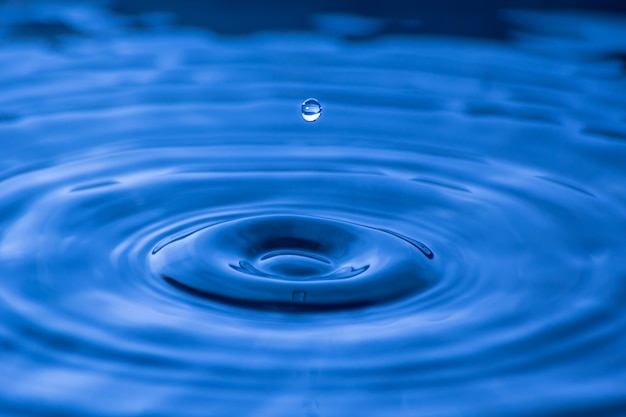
(448, 17)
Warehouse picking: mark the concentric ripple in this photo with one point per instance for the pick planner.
(447, 240)
(295, 260)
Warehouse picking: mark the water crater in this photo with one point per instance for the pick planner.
(287, 259)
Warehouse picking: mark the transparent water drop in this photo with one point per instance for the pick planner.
(311, 109)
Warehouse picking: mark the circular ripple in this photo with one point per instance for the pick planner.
(295, 260)
(196, 142)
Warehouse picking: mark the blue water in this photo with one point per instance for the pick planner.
(447, 239)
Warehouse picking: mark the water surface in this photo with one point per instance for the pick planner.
(446, 240)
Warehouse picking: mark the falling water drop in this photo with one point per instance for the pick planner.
(311, 110)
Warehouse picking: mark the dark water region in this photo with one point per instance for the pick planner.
(451, 17)
(446, 239)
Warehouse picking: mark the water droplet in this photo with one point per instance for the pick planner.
(311, 109)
